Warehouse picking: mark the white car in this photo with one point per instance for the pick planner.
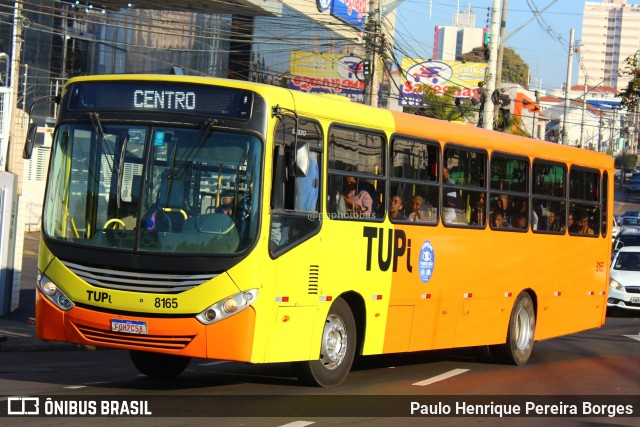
(615, 229)
(624, 285)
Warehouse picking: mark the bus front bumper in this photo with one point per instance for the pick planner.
(230, 339)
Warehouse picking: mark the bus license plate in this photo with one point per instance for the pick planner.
(129, 326)
(635, 300)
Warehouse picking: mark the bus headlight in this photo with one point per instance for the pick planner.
(615, 285)
(51, 291)
(227, 307)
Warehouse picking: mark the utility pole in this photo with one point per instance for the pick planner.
(584, 107)
(567, 90)
(371, 37)
(503, 25)
(600, 133)
(492, 68)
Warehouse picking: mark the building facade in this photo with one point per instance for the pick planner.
(450, 42)
(610, 34)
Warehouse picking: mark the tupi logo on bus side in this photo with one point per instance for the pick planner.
(396, 243)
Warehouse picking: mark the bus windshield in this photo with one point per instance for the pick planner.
(153, 188)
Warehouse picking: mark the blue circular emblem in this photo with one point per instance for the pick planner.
(426, 261)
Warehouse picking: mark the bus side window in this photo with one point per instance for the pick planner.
(356, 174)
(584, 196)
(415, 190)
(464, 186)
(296, 198)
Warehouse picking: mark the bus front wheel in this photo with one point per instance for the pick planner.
(337, 349)
(522, 326)
(158, 365)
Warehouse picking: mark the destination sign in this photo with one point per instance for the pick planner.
(160, 97)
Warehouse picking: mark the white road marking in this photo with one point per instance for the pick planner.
(73, 387)
(298, 424)
(441, 377)
(634, 337)
(218, 362)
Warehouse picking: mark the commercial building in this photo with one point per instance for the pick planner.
(450, 42)
(610, 34)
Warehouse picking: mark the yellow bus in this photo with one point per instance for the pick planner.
(210, 218)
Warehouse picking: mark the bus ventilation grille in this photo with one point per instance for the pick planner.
(100, 336)
(314, 276)
(138, 282)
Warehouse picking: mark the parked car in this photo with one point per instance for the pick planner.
(624, 284)
(615, 229)
(633, 185)
(635, 214)
(626, 237)
(629, 222)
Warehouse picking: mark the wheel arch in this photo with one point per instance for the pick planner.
(534, 300)
(359, 310)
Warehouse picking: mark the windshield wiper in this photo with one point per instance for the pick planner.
(198, 141)
(120, 171)
(98, 129)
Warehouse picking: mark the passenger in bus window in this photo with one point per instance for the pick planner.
(395, 208)
(478, 211)
(583, 223)
(501, 208)
(554, 225)
(451, 199)
(497, 220)
(572, 225)
(503, 204)
(418, 212)
(520, 222)
(358, 201)
(227, 206)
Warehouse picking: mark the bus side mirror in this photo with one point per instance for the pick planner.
(30, 142)
(301, 161)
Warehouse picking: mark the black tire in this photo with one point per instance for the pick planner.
(522, 325)
(337, 349)
(158, 365)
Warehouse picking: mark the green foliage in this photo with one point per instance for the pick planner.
(514, 69)
(630, 94)
(629, 161)
(508, 123)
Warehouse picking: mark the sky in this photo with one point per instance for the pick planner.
(543, 45)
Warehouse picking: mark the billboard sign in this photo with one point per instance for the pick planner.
(439, 76)
(332, 73)
(353, 12)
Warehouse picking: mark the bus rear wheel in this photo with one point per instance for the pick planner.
(522, 326)
(337, 349)
(158, 365)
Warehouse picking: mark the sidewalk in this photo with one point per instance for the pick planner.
(18, 329)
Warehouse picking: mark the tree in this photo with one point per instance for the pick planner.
(514, 69)
(630, 94)
(628, 160)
